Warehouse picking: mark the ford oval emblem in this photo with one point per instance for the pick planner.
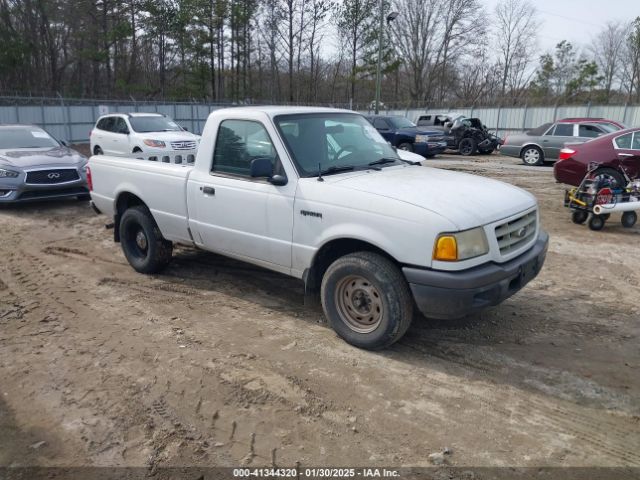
(521, 232)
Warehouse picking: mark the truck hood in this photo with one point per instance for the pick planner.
(32, 157)
(465, 200)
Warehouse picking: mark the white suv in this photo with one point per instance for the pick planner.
(151, 136)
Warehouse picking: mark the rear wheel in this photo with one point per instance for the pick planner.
(467, 146)
(579, 216)
(142, 243)
(532, 156)
(367, 300)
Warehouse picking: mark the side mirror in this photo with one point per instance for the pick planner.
(278, 180)
(261, 167)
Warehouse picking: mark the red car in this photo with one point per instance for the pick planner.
(606, 121)
(615, 153)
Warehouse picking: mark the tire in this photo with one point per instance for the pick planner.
(366, 300)
(406, 146)
(629, 219)
(611, 173)
(596, 223)
(467, 146)
(532, 156)
(97, 150)
(579, 216)
(142, 243)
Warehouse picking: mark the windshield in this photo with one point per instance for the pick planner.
(25, 137)
(320, 141)
(153, 124)
(401, 122)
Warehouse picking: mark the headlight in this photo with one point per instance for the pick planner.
(8, 173)
(422, 138)
(154, 143)
(453, 247)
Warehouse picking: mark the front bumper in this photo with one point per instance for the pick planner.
(429, 149)
(16, 190)
(450, 295)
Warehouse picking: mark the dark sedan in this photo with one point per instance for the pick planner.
(35, 166)
(405, 135)
(611, 155)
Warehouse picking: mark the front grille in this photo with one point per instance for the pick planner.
(516, 233)
(51, 177)
(187, 145)
(436, 138)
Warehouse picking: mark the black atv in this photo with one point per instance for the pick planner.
(467, 135)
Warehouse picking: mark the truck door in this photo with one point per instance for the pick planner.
(235, 213)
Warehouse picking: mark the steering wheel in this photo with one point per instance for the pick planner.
(346, 148)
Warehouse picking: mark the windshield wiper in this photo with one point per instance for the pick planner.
(336, 169)
(384, 160)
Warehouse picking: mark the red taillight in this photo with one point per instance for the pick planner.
(89, 180)
(566, 153)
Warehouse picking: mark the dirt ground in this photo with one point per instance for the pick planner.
(216, 362)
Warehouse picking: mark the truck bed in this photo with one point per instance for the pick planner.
(162, 186)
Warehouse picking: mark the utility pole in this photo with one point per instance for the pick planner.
(392, 16)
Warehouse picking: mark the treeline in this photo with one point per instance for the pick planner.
(445, 52)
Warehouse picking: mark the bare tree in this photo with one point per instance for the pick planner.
(607, 50)
(515, 34)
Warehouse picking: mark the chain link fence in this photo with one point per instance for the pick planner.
(72, 119)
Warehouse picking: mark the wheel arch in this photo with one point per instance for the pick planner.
(330, 252)
(124, 201)
(527, 145)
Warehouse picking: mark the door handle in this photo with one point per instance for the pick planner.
(625, 155)
(208, 190)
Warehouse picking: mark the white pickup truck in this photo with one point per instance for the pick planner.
(318, 194)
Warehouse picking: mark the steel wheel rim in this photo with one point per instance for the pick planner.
(531, 155)
(466, 148)
(138, 242)
(359, 304)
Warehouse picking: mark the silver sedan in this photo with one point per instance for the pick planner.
(545, 142)
(35, 166)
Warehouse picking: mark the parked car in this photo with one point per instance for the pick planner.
(403, 134)
(613, 153)
(467, 135)
(35, 166)
(545, 142)
(614, 123)
(373, 234)
(151, 136)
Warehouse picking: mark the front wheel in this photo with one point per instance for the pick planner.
(629, 219)
(367, 300)
(406, 147)
(142, 243)
(596, 223)
(579, 216)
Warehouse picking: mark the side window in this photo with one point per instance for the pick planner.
(624, 141)
(238, 143)
(106, 124)
(589, 131)
(635, 145)
(380, 124)
(120, 125)
(563, 130)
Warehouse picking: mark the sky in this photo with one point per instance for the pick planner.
(577, 20)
